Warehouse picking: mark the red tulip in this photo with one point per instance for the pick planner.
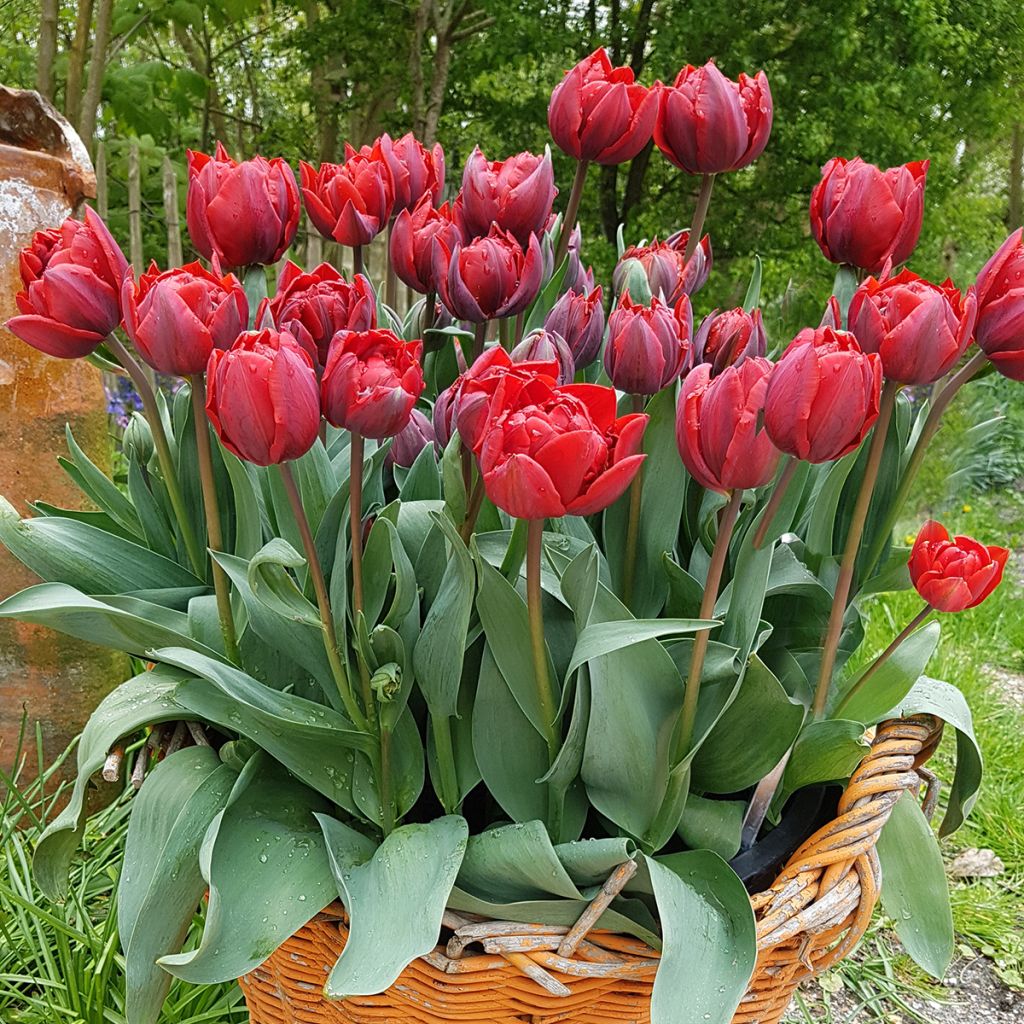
(727, 338)
(516, 194)
(544, 346)
(647, 345)
(661, 263)
(598, 112)
(487, 278)
(262, 397)
(410, 441)
(708, 124)
(953, 575)
(371, 382)
(1000, 287)
(864, 216)
(72, 295)
(919, 329)
(579, 318)
(314, 306)
(350, 202)
(244, 213)
(177, 318)
(415, 171)
(555, 451)
(719, 426)
(822, 396)
(412, 244)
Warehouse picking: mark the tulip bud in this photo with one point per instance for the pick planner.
(410, 441)
(727, 338)
(599, 113)
(415, 171)
(919, 329)
(953, 575)
(244, 213)
(543, 346)
(487, 278)
(647, 345)
(1000, 287)
(661, 266)
(412, 243)
(371, 382)
(579, 318)
(719, 426)
(864, 216)
(137, 441)
(72, 288)
(516, 194)
(709, 124)
(822, 396)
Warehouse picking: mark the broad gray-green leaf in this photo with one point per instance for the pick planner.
(407, 773)
(275, 588)
(826, 751)
(828, 489)
(395, 902)
(161, 884)
(606, 637)
(98, 486)
(714, 825)
(915, 892)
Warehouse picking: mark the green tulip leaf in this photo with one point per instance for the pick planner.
(407, 773)
(714, 825)
(157, 527)
(753, 297)
(275, 588)
(825, 751)
(99, 487)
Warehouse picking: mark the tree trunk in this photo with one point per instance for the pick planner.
(97, 66)
(76, 63)
(213, 112)
(323, 102)
(47, 54)
(634, 192)
(417, 98)
(439, 79)
(1014, 208)
(608, 205)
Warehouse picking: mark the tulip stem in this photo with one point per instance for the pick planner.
(355, 518)
(636, 490)
(211, 506)
(572, 208)
(357, 260)
(772, 508)
(719, 554)
(520, 326)
(707, 183)
(928, 431)
(505, 333)
(163, 452)
(427, 319)
(316, 573)
(882, 659)
(476, 500)
(830, 644)
(391, 281)
(479, 334)
(447, 773)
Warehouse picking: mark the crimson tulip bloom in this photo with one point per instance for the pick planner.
(72, 288)
(544, 346)
(371, 382)
(350, 202)
(920, 329)
(412, 244)
(822, 396)
(953, 575)
(708, 124)
(177, 318)
(662, 263)
(599, 113)
(720, 429)
(516, 194)
(556, 451)
(647, 345)
(866, 217)
(487, 278)
(262, 397)
(244, 213)
(410, 441)
(415, 171)
(1000, 288)
(727, 338)
(314, 306)
(579, 318)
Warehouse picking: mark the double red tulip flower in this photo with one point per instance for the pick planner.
(648, 346)
(579, 318)
(727, 338)
(544, 346)
(1000, 288)
(954, 574)
(412, 243)
(668, 275)
(415, 171)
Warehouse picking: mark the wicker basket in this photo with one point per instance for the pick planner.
(504, 973)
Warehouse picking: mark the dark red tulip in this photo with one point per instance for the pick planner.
(727, 338)
(72, 288)
(709, 124)
(662, 264)
(554, 451)
(314, 306)
(720, 426)
(579, 318)
(487, 278)
(919, 329)
(647, 345)
(263, 398)
(516, 194)
(350, 202)
(412, 244)
(371, 382)
(1000, 288)
(415, 170)
(953, 575)
(822, 396)
(177, 318)
(544, 346)
(598, 112)
(864, 216)
(410, 441)
(244, 213)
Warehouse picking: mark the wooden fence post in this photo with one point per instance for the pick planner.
(134, 209)
(174, 257)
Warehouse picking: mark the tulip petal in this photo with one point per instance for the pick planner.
(523, 489)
